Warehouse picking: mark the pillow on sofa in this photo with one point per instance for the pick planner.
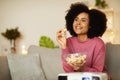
(50, 59)
(25, 67)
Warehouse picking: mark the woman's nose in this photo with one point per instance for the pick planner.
(78, 22)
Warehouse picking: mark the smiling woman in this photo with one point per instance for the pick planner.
(85, 27)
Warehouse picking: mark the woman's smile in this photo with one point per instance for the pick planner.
(78, 28)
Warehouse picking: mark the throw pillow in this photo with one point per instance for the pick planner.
(50, 59)
(25, 67)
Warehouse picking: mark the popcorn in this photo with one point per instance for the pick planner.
(75, 59)
(63, 31)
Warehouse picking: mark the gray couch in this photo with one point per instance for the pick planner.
(51, 62)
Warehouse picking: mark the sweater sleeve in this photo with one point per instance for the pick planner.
(98, 59)
(67, 50)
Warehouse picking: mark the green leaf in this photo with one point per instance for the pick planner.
(98, 2)
(46, 42)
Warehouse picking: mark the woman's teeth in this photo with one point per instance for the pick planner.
(78, 27)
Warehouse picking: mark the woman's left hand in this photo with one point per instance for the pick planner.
(78, 67)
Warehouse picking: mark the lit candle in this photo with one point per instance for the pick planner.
(24, 50)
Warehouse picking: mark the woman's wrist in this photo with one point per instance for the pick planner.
(63, 46)
(80, 69)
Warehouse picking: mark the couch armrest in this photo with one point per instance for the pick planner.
(4, 69)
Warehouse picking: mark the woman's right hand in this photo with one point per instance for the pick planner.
(61, 38)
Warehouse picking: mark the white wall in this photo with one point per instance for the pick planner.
(39, 17)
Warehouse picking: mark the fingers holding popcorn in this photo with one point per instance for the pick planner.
(61, 37)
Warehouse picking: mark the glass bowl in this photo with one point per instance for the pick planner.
(75, 58)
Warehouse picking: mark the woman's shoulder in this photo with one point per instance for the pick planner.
(71, 38)
(98, 40)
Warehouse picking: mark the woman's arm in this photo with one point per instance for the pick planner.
(98, 60)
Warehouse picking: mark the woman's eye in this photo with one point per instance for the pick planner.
(83, 20)
(75, 19)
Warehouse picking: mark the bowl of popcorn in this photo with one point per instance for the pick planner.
(75, 58)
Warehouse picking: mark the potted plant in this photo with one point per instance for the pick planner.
(101, 3)
(12, 34)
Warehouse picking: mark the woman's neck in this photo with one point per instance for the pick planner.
(82, 38)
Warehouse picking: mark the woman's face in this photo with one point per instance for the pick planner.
(81, 23)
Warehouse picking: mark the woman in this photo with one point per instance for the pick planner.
(85, 27)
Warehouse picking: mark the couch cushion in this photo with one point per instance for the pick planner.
(25, 67)
(51, 60)
(4, 69)
(113, 60)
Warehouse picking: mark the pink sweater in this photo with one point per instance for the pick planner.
(95, 50)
